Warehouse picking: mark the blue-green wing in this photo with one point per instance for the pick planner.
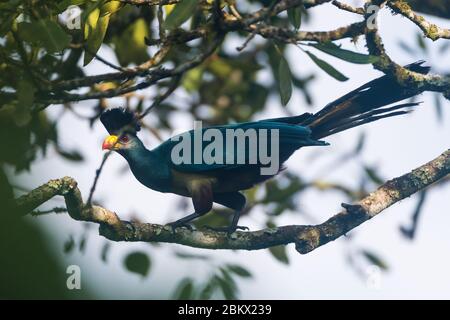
(290, 138)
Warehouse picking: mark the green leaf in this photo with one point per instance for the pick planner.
(62, 6)
(73, 155)
(89, 8)
(180, 14)
(325, 66)
(207, 292)
(284, 81)
(105, 251)
(347, 55)
(53, 37)
(240, 271)
(110, 7)
(25, 93)
(373, 175)
(375, 259)
(69, 245)
(94, 33)
(438, 107)
(25, 31)
(183, 255)
(192, 79)
(45, 33)
(7, 22)
(130, 46)
(228, 288)
(360, 144)
(279, 252)
(295, 17)
(82, 244)
(185, 290)
(96, 26)
(208, 289)
(421, 41)
(138, 262)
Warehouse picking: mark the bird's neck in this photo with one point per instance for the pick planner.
(140, 158)
(137, 154)
(148, 168)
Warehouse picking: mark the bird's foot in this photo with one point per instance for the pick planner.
(229, 230)
(180, 224)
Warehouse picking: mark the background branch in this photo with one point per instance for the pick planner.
(430, 30)
(405, 77)
(258, 22)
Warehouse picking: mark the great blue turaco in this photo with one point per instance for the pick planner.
(221, 183)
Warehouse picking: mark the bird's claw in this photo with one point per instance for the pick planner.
(176, 224)
(229, 230)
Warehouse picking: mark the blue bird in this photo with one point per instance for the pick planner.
(221, 181)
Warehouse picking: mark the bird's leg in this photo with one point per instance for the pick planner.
(201, 193)
(184, 222)
(234, 223)
(232, 227)
(232, 200)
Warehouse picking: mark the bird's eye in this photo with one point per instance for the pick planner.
(124, 139)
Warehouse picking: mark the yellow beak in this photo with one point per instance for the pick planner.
(111, 143)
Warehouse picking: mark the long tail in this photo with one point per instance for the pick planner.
(362, 105)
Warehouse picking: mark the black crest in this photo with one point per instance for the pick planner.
(119, 120)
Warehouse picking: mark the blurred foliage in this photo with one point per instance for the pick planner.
(221, 284)
(138, 262)
(439, 8)
(29, 268)
(39, 49)
(419, 46)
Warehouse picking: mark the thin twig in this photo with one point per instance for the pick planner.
(109, 64)
(410, 231)
(349, 8)
(56, 210)
(250, 37)
(98, 172)
(159, 99)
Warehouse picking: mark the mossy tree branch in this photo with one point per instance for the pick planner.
(430, 30)
(150, 72)
(305, 237)
(405, 77)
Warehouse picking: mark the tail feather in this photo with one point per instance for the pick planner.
(364, 121)
(363, 105)
(367, 117)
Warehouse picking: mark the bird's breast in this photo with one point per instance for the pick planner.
(183, 183)
(157, 179)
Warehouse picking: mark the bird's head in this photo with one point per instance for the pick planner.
(125, 141)
(122, 126)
